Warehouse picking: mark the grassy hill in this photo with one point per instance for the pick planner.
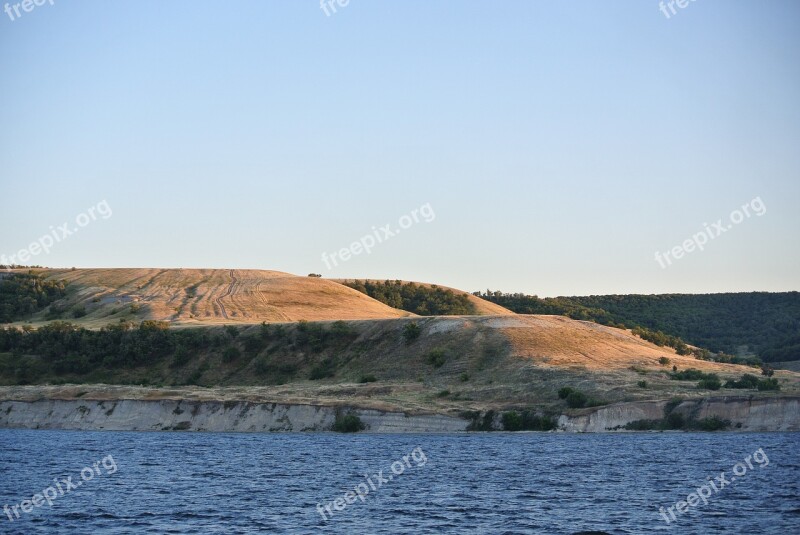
(97, 297)
(310, 339)
(760, 323)
(437, 363)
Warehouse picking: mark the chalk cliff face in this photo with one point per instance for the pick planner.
(745, 414)
(227, 416)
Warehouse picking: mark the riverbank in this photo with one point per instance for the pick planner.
(151, 409)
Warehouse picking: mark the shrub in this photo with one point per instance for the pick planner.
(464, 377)
(527, 421)
(642, 384)
(664, 361)
(254, 344)
(367, 379)
(769, 384)
(674, 420)
(324, 369)
(443, 394)
(232, 331)
(512, 421)
(181, 357)
(710, 383)
(348, 423)
(79, 312)
(747, 381)
(715, 423)
(411, 332)
(436, 358)
(479, 423)
(261, 366)
(692, 375)
(576, 400)
(564, 392)
(231, 354)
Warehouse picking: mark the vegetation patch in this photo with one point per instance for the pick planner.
(751, 382)
(411, 332)
(348, 423)
(675, 421)
(576, 399)
(22, 294)
(417, 299)
(527, 420)
(436, 358)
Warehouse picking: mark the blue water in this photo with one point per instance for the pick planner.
(481, 483)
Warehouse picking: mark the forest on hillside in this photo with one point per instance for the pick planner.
(415, 298)
(762, 323)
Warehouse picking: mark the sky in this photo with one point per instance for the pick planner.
(551, 148)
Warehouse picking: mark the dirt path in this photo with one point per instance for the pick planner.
(228, 292)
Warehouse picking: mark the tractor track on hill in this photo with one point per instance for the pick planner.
(228, 292)
(260, 296)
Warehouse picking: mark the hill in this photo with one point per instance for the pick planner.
(97, 297)
(760, 323)
(438, 363)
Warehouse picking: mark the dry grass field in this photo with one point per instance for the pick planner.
(210, 296)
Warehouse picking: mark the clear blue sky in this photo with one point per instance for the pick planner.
(560, 144)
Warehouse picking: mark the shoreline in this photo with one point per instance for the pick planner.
(30, 409)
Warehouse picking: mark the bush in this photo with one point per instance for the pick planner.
(464, 377)
(711, 383)
(261, 366)
(443, 394)
(436, 358)
(715, 423)
(231, 354)
(564, 392)
(674, 420)
(747, 381)
(527, 421)
(664, 361)
(181, 357)
(478, 423)
(367, 379)
(512, 421)
(348, 423)
(692, 375)
(411, 332)
(769, 384)
(232, 331)
(79, 312)
(323, 370)
(642, 384)
(576, 400)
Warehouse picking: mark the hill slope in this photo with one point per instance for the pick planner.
(767, 324)
(201, 296)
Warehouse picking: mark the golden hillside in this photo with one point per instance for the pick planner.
(194, 296)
